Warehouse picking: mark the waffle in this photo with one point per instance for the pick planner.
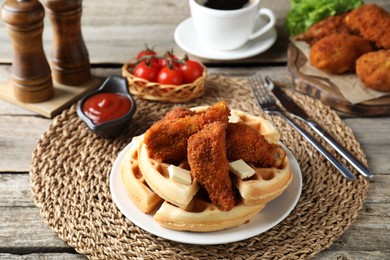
(184, 207)
(265, 185)
(204, 216)
(156, 175)
(136, 187)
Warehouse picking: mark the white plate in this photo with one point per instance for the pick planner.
(274, 212)
(186, 38)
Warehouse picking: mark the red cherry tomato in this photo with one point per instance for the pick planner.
(146, 52)
(170, 76)
(191, 70)
(165, 61)
(147, 70)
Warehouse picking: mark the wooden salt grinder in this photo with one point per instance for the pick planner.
(70, 61)
(30, 71)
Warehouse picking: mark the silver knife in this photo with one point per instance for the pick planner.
(297, 112)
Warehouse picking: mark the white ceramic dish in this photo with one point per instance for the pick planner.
(186, 38)
(271, 215)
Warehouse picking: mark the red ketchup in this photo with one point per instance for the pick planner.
(105, 107)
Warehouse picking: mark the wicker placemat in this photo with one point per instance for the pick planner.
(70, 182)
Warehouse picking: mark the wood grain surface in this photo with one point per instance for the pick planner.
(114, 31)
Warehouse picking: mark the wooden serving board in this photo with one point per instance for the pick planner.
(328, 92)
(63, 97)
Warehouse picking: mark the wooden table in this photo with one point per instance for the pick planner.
(114, 32)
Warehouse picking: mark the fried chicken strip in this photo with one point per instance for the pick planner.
(372, 22)
(177, 113)
(166, 140)
(328, 26)
(209, 165)
(246, 143)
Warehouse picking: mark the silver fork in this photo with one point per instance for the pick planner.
(265, 101)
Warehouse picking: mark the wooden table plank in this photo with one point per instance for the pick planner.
(114, 32)
(18, 138)
(116, 48)
(23, 230)
(15, 190)
(373, 136)
(345, 254)
(19, 214)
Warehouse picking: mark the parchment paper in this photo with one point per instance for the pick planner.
(349, 85)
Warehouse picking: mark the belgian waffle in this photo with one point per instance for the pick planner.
(156, 175)
(137, 188)
(148, 183)
(204, 216)
(265, 185)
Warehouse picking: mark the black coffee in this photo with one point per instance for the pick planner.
(225, 4)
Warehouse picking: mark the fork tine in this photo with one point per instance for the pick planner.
(264, 89)
(262, 97)
(259, 88)
(255, 87)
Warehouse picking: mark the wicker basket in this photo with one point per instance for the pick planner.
(169, 93)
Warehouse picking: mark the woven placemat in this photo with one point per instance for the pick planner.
(70, 183)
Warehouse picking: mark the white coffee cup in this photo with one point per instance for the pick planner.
(229, 29)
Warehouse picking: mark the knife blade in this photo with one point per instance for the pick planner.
(297, 112)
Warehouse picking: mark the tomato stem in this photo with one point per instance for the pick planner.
(170, 64)
(148, 48)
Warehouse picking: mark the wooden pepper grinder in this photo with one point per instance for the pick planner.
(70, 61)
(31, 76)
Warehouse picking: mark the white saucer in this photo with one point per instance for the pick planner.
(273, 213)
(186, 38)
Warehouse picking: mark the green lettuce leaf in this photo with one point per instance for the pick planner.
(305, 13)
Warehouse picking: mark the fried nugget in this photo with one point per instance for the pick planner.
(166, 140)
(372, 22)
(337, 53)
(246, 143)
(209, 165)
(328, 26)
(373, 69)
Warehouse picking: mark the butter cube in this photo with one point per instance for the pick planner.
(233, 118)
(241, 169)
(179, 175)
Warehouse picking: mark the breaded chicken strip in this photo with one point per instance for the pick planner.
(209, 165)
(246, 143)
(337, 53)
(176, 113)
(373, 69)
(166, 140)
(372, 22)
(328, 26)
